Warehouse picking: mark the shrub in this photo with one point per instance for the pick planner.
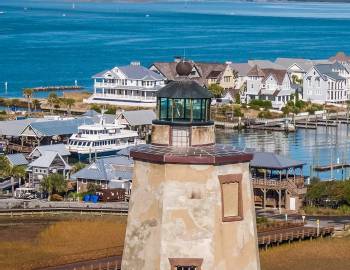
(261, 103)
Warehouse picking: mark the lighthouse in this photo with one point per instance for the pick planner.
(192, 203)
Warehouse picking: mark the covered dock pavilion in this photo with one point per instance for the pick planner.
(278, 181)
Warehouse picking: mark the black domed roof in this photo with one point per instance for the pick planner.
(184, 68)
(183, 89)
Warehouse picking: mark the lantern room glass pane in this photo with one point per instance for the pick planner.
(196, 105)
(188, 109)
(179, 109)
(170, 108)
(163, 108)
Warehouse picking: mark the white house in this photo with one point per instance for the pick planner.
(269, 84)
(327, 83)
(132, 85)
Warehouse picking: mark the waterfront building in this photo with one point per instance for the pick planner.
(296, 67)
(341, 58)
(269, 84)
(327, 83)
(192, 203)
(131, 85)
(278, 181)
(48, 163)
(17, 159)
(107, 173)
(60, 148)
(140, 121)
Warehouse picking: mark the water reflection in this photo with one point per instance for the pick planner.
(322, 146)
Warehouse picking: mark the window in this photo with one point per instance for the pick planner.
(180, 136)
(227, 78)
(231, 197)
(185, 263)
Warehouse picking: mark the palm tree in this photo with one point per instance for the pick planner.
(69, 103)
(36, 104)
(28, 93)
(54, 183)
(78, 166)
(15, 172)
(52, 100)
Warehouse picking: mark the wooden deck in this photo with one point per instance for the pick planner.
(331, 167)
(292, 234)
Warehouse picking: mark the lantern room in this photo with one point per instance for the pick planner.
(183, 102)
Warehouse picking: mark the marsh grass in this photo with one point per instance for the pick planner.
(321, 254)
(64, 241)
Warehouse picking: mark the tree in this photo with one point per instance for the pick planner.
(36, 104)
(69, 103)
(15, 172)
(28, 94)
(52, 100)
(78, 166)
(92, 188)
(53, 184)
(216, 90)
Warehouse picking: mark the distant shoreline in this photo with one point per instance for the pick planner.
(257, 1)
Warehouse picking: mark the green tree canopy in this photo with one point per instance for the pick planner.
(216, 90)
(54, 184)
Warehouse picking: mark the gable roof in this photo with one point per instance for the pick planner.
(138, 118)
(59, 148)
(255, 71)
(168, 69)
(183, 89)
(268, 160)
(107, 169)
(326, 70)
(17, 159)
(46, 159)
(340, 57)
(241, 68)
(264, 64)
(278, 74)
(59, 127)
(15, 127)
(304, 64)
(133, 72)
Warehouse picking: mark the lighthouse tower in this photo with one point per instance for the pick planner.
(192, 205)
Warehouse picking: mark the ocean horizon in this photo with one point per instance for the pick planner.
(44, 43)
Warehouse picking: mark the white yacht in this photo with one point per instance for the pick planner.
(101, 139)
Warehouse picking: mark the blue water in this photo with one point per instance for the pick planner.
(40, 46)
(314, 147)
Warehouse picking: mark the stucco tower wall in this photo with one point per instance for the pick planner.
(176, 212)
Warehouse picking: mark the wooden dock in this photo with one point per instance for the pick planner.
(292, 234)
(270, 128)
(331, 167)
(317, 124)
(306, 126)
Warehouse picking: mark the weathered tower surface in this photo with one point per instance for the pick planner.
(192, 204)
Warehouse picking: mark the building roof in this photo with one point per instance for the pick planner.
(268, 160)
(241, 68)
(168, 69)
(214, 74)
(304, 64)
(139, 118)
(133, 72)
(17, 159)
(46, 159)
(107, 168)
(340, 57)
(59, 148)
(183, 89)
(278, 74)
(264, 64)
(59, 127)
(125, 151)
(15, 127)
(255, 71)
(328, 70)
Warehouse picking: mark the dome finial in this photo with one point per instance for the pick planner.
(184, 68)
